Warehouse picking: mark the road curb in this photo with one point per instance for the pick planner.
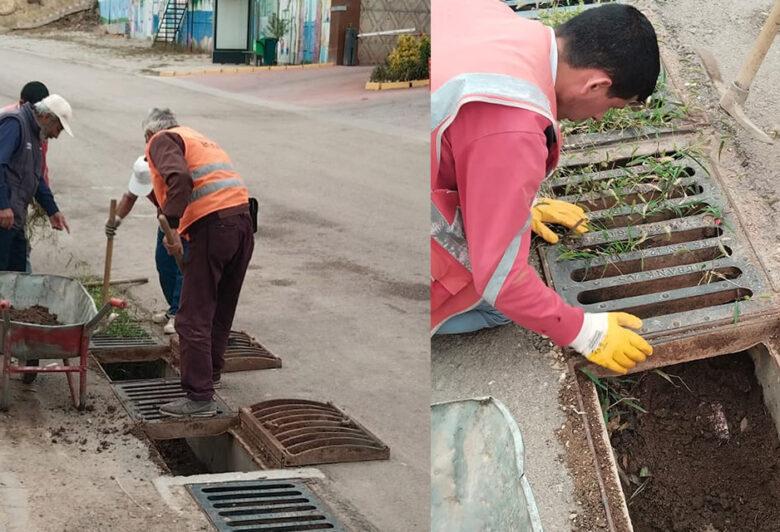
(396, 85)
(238, 69)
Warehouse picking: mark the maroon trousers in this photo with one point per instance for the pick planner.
(221, 246)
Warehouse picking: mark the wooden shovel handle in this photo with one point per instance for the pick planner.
(169, 236)
(109, 253)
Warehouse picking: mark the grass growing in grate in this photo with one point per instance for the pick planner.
(555, 16)
(638, 191)
(125, 325)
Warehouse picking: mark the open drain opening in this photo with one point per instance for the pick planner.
(695, 445)
(654, 286)
(210, 454)
(179, 458)
(653, 241)
(697, 302)
(128, 371)
(625, 267)
(649, 195)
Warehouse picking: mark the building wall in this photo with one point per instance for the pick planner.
(305, 42)
(385, 15)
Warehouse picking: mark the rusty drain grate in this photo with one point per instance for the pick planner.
(274, 505)
(297, 432)
(105, 341)
(244, 353)
(663, 246)
(142, 398)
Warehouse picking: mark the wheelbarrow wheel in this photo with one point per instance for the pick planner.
(29, 378)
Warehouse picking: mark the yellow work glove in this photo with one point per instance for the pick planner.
(552, 211)
(606, 339)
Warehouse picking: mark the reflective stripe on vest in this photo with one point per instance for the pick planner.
(206, 169)
(215, 186)
(445, 103)
(489, 88)
(450, 236)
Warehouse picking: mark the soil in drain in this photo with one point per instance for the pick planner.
(705, 455)
(179, 458)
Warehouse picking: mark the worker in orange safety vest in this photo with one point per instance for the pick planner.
(499, 84)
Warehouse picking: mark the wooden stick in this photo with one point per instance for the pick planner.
(109, 252)
(169, 236)
(137, 280)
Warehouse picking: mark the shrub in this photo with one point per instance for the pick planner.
(408, 60)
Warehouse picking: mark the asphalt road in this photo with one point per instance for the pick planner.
(337, 286)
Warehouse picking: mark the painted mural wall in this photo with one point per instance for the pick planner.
(306, 40)
(308, 36)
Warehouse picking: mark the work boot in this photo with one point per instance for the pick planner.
(29, 378)
(170, 327)
(185, 407)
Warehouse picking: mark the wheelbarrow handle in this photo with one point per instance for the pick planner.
(114, 302)
(117, 302)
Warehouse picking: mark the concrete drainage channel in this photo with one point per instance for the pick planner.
(274, 434)
(692, 447)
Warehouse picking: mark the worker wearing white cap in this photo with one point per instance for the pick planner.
(21, 177)
(168, 271)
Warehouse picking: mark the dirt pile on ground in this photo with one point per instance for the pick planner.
(88, 20)
(706, 452)
(36, 314)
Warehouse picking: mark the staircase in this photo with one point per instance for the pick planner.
(171, 21)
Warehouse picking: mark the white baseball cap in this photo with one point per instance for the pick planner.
(141, 179)
(60, 107)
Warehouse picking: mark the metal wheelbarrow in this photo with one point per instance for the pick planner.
(77, 314)
(478, 480)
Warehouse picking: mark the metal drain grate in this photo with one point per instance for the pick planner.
(241, 339)
(267, 505)
(103, 341)
(142, 400)
(296, 432)
(244, 353)
(664, 248)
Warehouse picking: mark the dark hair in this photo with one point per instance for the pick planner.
(34, 92)
(619, 40)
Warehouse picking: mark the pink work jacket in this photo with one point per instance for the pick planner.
(494, 139)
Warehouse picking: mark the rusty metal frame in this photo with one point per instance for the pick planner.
(297, 432)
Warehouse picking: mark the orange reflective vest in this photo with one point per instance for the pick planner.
(484, 52)
(216, 185)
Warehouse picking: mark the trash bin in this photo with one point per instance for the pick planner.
(350, 46)
(269, 51)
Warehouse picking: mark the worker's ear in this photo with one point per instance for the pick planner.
(597, 84)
